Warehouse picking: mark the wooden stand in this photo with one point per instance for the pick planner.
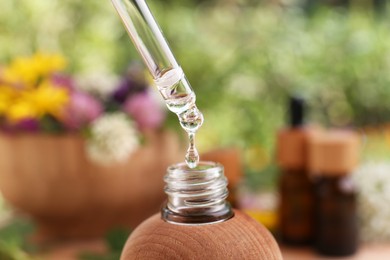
(237, 238)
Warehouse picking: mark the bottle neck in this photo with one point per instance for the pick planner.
(196, 196)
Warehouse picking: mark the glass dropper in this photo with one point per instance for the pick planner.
(167, 74)
(196, 191)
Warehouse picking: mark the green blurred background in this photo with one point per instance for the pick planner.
(243, 58)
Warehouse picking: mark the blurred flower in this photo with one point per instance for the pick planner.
(27, 90)
(28, 124)
(81, 110)
(122, 91)
(28, 70)
(6, 94)
(133, 82)
(46, 64)
(113, 138)
(145, 110)
(45, 99)
(99, 84)
(21, 110)
(261, 206)
(35, 95)
(63, 80)
(373, 181)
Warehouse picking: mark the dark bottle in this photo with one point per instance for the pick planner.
(332, 157)
(295, 188)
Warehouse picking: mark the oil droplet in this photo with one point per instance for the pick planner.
(192, 155)
(191, 120)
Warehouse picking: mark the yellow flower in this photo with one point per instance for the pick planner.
(21, 110)
(26, 91)
(21, 70)
(45, 99)
(48, 99)
(6, 95)
(46, 64)
(27, 70)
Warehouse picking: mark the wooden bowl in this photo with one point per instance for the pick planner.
(51, 179)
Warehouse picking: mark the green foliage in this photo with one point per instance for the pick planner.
(243, 62)
(13, 244)
(116, 239)
(88, 32)
(91, 256)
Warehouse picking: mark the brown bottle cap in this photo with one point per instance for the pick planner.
(334, 152)
(292, 147)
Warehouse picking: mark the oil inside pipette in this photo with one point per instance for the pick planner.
(180, 99)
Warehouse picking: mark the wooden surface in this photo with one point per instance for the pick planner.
(365, 252)
(70, 250)
(238, 238)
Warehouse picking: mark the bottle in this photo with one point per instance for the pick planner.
(296, 192)
(197, 222)
(333, 156)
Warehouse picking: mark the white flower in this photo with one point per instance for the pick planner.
(113, 139)
(99, 84)
(373, 181)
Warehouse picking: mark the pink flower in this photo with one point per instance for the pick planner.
(63, 80)
(145, 110)
(82, 110)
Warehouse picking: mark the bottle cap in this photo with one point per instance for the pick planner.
(297, 111)
(292, 147)
(291, 142)
(334, 152)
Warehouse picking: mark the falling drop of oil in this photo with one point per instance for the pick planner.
(191, 120)
(192, 155)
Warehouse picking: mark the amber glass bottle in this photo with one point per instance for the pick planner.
(332, 157)
(295, 188)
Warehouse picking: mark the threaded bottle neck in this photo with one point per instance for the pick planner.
(196, 196)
